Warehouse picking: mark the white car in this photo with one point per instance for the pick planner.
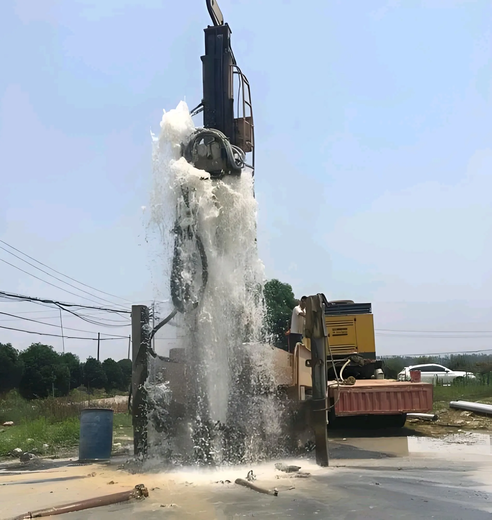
(431, 373)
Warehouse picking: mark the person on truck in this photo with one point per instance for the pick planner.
(297, 324)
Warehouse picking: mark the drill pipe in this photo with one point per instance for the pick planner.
(137, 492)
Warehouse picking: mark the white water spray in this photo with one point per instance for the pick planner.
(209, 225)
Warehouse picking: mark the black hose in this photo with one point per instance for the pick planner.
(180, 290)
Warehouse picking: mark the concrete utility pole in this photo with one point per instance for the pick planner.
(317, 333)
(98, 344)
(140, 372)
(62, 333)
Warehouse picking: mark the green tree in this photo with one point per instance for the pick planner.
(94, 375)
(393, 366)
(126, 371)
(44, 372)
(114, 374)
(279, 300)
(424, 360)
(11, 367)
(74, 366)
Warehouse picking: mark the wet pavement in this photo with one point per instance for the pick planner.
(370, 477)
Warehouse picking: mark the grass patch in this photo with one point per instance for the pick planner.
(49, 426)
(122, 420)
(465, 391)
(40, 436)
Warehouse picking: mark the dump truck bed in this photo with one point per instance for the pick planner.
(381, 397)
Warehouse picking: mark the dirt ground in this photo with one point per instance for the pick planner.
(451, 421)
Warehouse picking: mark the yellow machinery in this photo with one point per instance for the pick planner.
(350, 329)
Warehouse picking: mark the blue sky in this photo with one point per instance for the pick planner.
(374, 154)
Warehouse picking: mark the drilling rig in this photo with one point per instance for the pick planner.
(223, 149)
(339, 335)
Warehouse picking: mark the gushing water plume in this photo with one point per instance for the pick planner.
(222, 407)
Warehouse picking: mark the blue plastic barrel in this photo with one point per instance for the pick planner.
(96, 434)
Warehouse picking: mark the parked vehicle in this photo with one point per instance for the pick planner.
(431, 373)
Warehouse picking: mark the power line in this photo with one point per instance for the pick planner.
(434, 336)
(439, 353)
(56, 277)
(64, 306)
(437, 331)
(33, 299)
(58, 335)
(52, 316)
(66, 276)
(49, 283)
(57, 326)
(94, 322)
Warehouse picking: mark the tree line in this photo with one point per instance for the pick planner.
(40, 371)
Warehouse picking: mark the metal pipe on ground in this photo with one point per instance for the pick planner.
(423, 416)
(254, 487)
(471, 407)
(138, 492)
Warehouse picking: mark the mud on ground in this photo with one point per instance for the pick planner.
(451, 421)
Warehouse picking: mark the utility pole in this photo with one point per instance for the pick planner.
(129, 346)
(98, 344)
(153, 325)
(61, 326)
(140, 372)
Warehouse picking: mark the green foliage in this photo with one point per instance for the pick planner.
(44, 372)
(94, 375)
(465, 390)
(11, 367)
(51, 421)
(424, 360)
(39, 372)
(280, 301)
(392, 367)
(114, 375)
(126, 371)
(33, 435)
(75, 367)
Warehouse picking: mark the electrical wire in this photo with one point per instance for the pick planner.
(93, 322)
(56, 278)
(64, 306)
(59, 335)
(49, 283)
(51, 316)
(458, 352)
(436, 336)
(57, 326)
(66, 276)
(20, 297)
(436, 331)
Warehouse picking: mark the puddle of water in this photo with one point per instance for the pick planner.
(468, 443)
(460, 443)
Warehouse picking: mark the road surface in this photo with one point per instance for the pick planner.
(369, 478)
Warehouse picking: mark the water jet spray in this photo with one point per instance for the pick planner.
(220, 395)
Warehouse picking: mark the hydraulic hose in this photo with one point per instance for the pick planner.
(343, 368)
